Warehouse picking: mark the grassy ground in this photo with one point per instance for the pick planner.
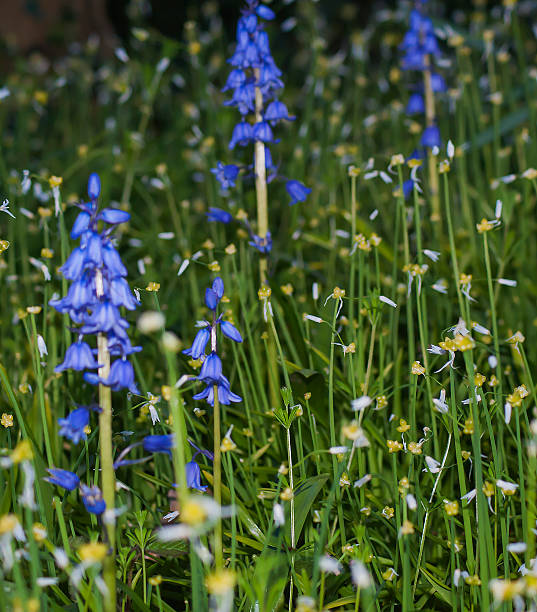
(421, 494)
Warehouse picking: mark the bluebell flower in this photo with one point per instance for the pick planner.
(218, 287)
(74, 424)
(431, 137)
(229, 330)
(297, 191)
(415, 105)
(277, 111)
(438, 84)
(74, 265)
(217, 215)
(243, 98)
(81, 224)
(113, 216)
(408, 188)
(242, 135)
(94, 186)
(236, 78)
(159, 443)
(264, 12)
(225, 395)
(211, 370)
(97, 293)
(226, 176)
(63, 478)
(263, 132)
(214, 294)
(193, 476)
(93, 499)
(200, 342)
(262, 244)
(121, 376)
(78, 356)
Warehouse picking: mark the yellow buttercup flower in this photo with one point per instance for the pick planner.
(7, 420)
(451, 507)
(338, 293)
(394, 446)
(264, 292)
(403, 426)
(417, 368)
(468, 427)
(484, 226)
(55, 181)
(93, 552)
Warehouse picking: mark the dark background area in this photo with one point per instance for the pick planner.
(49, 25)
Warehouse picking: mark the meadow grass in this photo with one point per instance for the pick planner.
(383, 456)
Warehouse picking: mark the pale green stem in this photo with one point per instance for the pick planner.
(217, 481)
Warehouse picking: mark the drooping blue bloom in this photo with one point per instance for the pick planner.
(200, 342)
(211, 370)
(263, 245)
(438, 83)
(159, 443)
(218, 287)
(264, 12)
(431, 137)
(242, 135)
(225, 395)
(94, 186)
(93, 499)
(226, 176)
(415, 105)
(193, 476)
(78, 356)
(229, 330)
(277, 111)
(297, 191)
(74, 424)
(263, 132)
(63, 478)
(98, 292)
(121, 376)
(211, 299)
(236, 78)
(408, 188)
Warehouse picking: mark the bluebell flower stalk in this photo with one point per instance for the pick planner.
(255, 83)
(93, 301)
(217, 389)
(420, 48)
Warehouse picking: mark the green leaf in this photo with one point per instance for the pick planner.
(305, 495)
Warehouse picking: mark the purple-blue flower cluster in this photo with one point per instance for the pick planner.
(211, 370)
(255, 73)
(97, 293)
(420, 49)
